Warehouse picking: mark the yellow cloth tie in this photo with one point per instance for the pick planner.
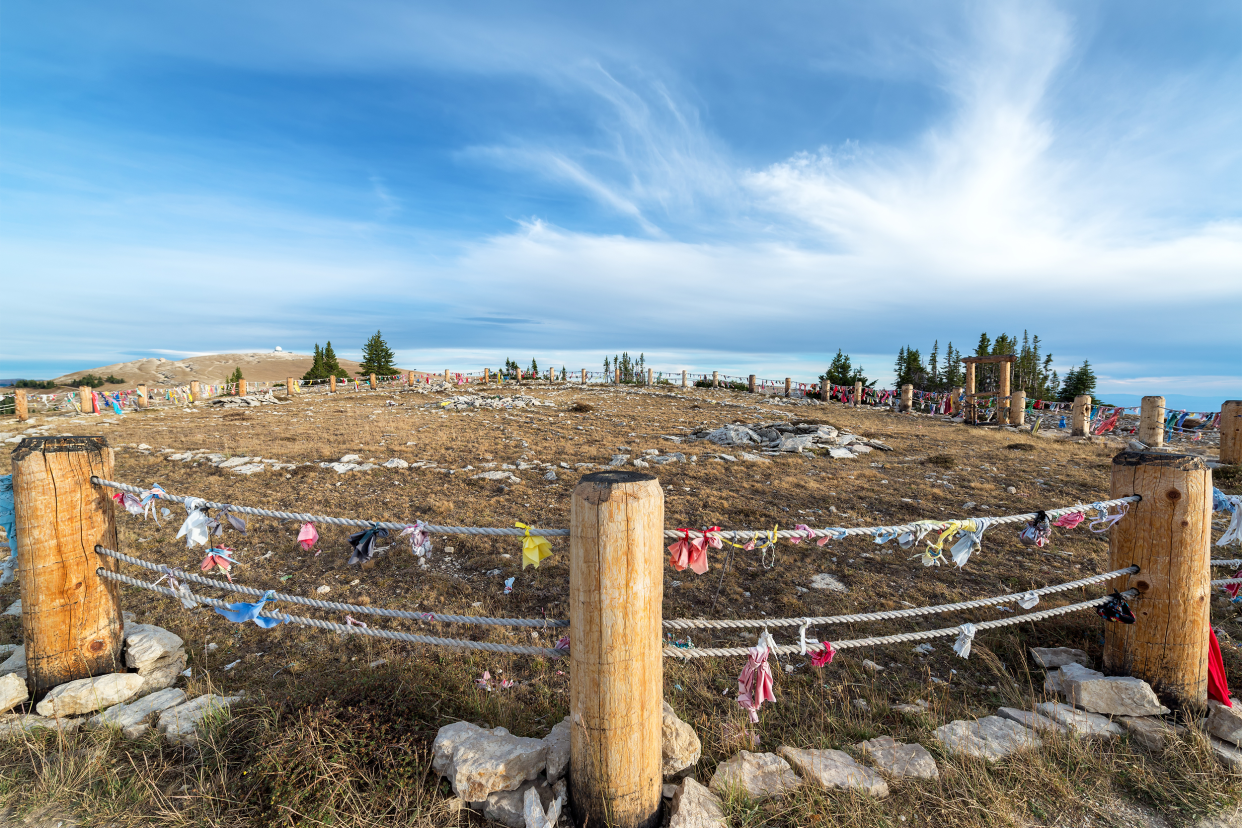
(534, 549)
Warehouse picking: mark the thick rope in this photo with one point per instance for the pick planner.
(795, 649)
(486, 646)
(1232, 562)
(889, 615)
(335, 521)
(182, 575)
(668, 533)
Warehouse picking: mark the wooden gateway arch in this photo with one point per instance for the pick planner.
(1007, 413)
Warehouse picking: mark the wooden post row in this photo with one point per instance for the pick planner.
(71, 617)
(650, 377)
(1081, 411)
(617, 374)
(371, 381)
(584, 381)
(1231, 432)
(616, 588)
(20, 407)
(1168, 535)
(332, 384)
(824, 389)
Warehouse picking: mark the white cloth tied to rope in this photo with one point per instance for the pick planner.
(965, 637)
(194, 530)
(1028, 600)
(1234, 533)
(803, 641)
(970, 542)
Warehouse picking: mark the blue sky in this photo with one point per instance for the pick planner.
(743, 186)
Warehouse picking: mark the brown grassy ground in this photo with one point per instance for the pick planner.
(332, 740)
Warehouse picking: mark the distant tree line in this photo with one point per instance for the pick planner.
(1032, 371)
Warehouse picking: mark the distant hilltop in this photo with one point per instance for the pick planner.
(266, 367)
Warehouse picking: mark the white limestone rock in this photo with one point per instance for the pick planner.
(395, 463)
(15, 664)
(558, 750)
(15, 608)
(1149, 731)
(1050, 658)
(132, 718)
(1079, 722)
(89, 695)
(537, 814)
(1098, 693)
(898, 760)
(1036, 722)
(755, 775)
(16, 724)
(840, 453)
(831, 769)
(146, 644)
(163, 673)
(509, 807)
(991, 738)
(1222, 722)
(825, 581)
(478, 762)
(795, 442)
(734, 435)
(181, 724)
(694, 806)
(680, 745)
(508, 477)
(1229, 755)
(12, 692)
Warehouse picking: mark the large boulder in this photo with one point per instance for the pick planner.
(680, 745)
(831, 769)
(755, 775)
(12, 692)
(89, 694)
(1223, 722)
(694, 806)
(899, 760)
(132, 717)
(991, 738)
(478, 762)
(1109, 695)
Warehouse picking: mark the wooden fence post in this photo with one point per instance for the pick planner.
(788, 385)
(955, 400)
(20, 406)
(907, 398)
(650, 377)
(972, 407)
(1081, 411)
(1017, 409)
(1003, 403)
(141, 393)
(751, 384)
(1151, 422)
(824, 391)
(715, 379)
(195, 389)
(86, 400)
(616, 588)
(618, 376)
(71, 617)
(446, 375)
(1231, 432)
(332, 384)
(371, 381)
(858, 389)
(584, 378)
(683, 379)
(289, 386)
(1168, 534)
(241, 388)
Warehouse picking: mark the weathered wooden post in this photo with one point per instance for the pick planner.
(617, 379)
(194, 391)
(788, 385)
(583, 379)
(616, 587)
(371, 381)
(972, 408)
(289, 386)
(955, 400)
(751, 384)
(1231, 432)
(71, 617)
(1168, 535)
(332, 384)
(683, 378)
(1003, 403)
(1081, 411)
(20, 407)
(857, 393)
(1151, 422)
(140, 396)
(86, 400)
(907, 398)
(650, 377)
(715, 379)
(824, 389)
(1017, 409)
(241, 388)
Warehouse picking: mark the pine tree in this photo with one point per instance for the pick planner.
(933, 367)
(534, 367)
(377, 358)
(331, 367)
(235, 377)
(316, 371)
(1078, 381)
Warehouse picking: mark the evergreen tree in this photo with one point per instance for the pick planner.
(1078, 381)
(841, 372)
(331, 367)
(607, 367)
(933, 367)
(316, 371)
(377, 358)
(235, 377)
(534, 367)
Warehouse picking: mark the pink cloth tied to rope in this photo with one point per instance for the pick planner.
(692, 552)
(308, 536)
(1069, 520)
(1234, 589)
(755, 683)
(1108, 521)
(824, 656)
(802, 527)
(218, 556)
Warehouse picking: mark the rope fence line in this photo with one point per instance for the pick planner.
(889, 615)
(796, 649)
(1229, 562)
(182, 575)
(731, 534)
(393, 635)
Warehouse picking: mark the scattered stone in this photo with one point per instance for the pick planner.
(15, 664)
(694, 806)
(618, 460)
(15, 608)
(551, 475)
(991, 738)
(795, 442)
(89, 694)
(1149, 731)
(558, 750)
(537, 814)
(180, 724)
(16, 724)
(351, 458)
(12, 692)
(323, 589)
(870, 666)
(147, 644)
(835, 769)
(899, 760)
(1222, 722)
(132, 717)
(825, 581)
(1080, 722)
(755, 775)
(1036, 722)
(680, 745)
(508, 477)
(1051, 658)
(508, 807)
(478, 762)
(733, 435)
(840, 453)
(1110, 695)
(754, 458)
(1229, 755)
(923, 649)
(395, 463)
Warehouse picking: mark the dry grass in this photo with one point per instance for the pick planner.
(331, 741)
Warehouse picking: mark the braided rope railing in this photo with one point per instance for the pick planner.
(1226, 582)
(795, 649)
(889, 615)
(462, 644)
(732, 534)
(1230, 562)
(182, 575)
